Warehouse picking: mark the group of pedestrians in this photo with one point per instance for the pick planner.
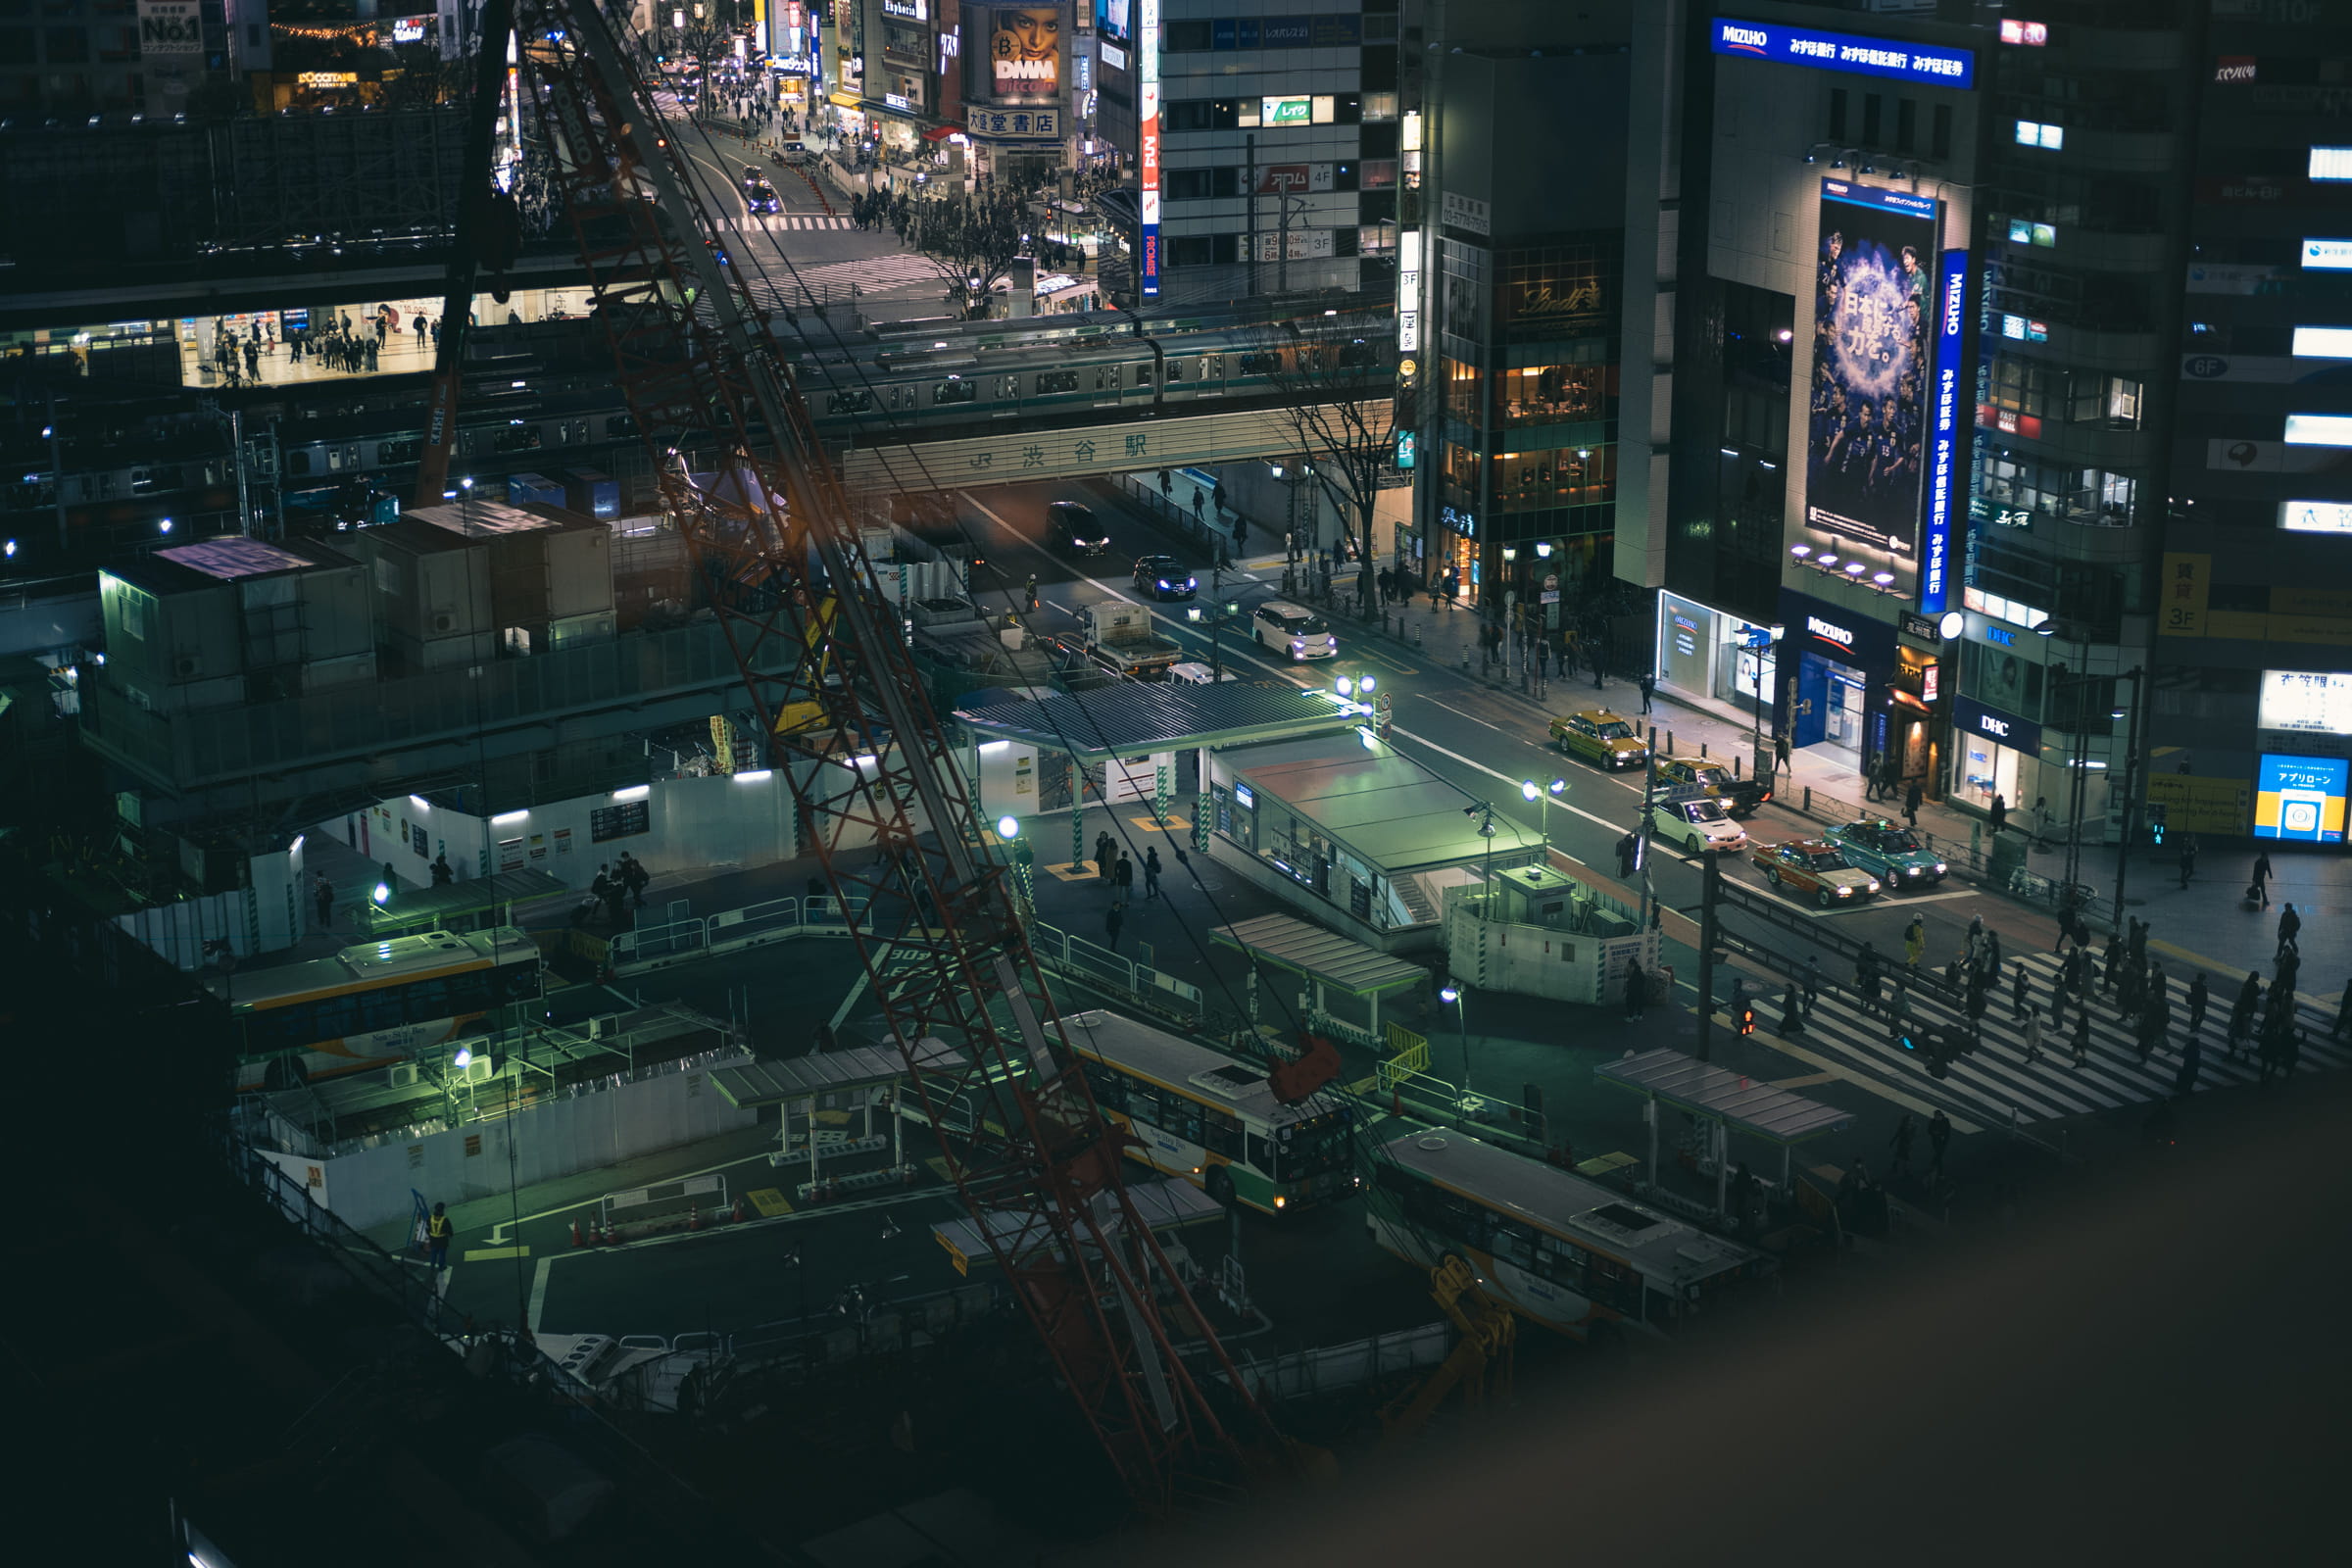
(1882, 781)
(615, 886)
(1113, 864)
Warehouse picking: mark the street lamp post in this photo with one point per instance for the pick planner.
(1544, 799)
(1452, 995)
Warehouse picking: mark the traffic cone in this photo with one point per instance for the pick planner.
(576, 1235)
(738, 1216)
(694, 1218)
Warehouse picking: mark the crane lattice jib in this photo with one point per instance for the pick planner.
(774, 538)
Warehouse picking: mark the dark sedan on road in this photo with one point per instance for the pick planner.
(1074, 527)
(1164, 577)
(758, 195)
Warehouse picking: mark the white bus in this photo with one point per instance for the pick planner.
(1211, 1118)
(1564, 1251)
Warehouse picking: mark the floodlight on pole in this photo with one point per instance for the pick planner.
(1009, 827)
(383, 893)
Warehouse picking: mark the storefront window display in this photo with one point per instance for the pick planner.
(1836, 668)
(402, 350)
(1999, 753)
(1701, 651)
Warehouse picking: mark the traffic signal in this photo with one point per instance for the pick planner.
(2156, 810)
(1747, 1018)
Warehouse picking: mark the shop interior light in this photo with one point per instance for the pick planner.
(1855, 568)
(1882, 578)
(1825, 560)
(1544, 549)
(1801, 552)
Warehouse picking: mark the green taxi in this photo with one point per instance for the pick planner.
(1889, 851)
(1599, 736)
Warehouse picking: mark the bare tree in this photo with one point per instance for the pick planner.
(972, 239)
(1337, 382)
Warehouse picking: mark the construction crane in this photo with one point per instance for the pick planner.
(787, 577)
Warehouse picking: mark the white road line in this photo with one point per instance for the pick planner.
(539, 1292)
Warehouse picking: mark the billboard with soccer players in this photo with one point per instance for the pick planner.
(1875, 307)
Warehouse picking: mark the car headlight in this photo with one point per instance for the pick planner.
(1874, 887)
(1844, 892)
(1941, 868)
(1191, 582)
(1297, 645)
(1163, 584)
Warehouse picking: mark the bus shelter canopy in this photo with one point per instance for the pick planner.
(1167, 1204)
(1687, 1084)
(1338, 961)
(801, 1078)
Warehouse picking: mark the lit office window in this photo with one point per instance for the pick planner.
(2318, 429)
(2324, 342)
(2332, 162)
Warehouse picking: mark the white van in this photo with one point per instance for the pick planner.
(1292, 630)
(1193, 675)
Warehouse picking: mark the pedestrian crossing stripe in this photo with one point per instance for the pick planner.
(492, 1254)
(768, 1200)
(1996, 1082)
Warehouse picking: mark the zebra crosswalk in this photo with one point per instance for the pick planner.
(775, 223)
(875, 274)
(1996, 1084)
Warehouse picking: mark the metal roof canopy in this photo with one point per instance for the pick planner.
(1128, 717)
(1338, 961)
(776, 1083)
(1169, 1203)
(1392, 811)
(430, 907)
(1689, 1084)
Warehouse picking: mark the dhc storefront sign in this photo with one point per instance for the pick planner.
(1973, 718)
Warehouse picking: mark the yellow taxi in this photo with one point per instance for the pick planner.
(1599, 736)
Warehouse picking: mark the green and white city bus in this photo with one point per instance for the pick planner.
(1211, 1118)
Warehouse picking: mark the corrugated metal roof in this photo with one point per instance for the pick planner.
(1129, 717)
(772, 1083)
(1752, 1106)
(1324, 955)
(1386, 807)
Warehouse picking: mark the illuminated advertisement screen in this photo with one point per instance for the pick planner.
(1114, 21)
(1873, 296)
(2301, 798)
(2314, 702)
(1147, 81)
(1944, 457)
(1024, 51)
(1845, 51)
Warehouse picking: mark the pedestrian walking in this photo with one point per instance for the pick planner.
(2000, 811)
(1869, 777)
(438, 1232)
(2290, 925)
(1890, 775)
(1649, 688)
(2198, 998)
(322, 893)
(1033, 592)
(1866, 971)
(2260, 887)
(1636, 992)
(1793, 1012)
(1241, 533)
(2115, 963)
(615, 893)
(2188, 859)
(636, 877)
(2193, 1062)
(1939, 1134)
(1105, 847)
(1911, 799)
(1906, 1133)
(1779, 752)
(1151, 872)
(2082, 1037)
(1915, 942)
(1628, 850)
(2032, 1037)
(2021, 994)
(1122, 881)
(2042, 821)
(1112, 919)
(443, 874)
(1812, 984)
